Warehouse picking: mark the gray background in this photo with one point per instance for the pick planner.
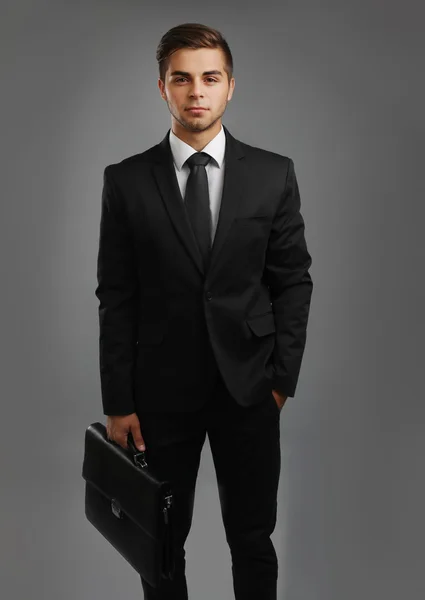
(338, 87)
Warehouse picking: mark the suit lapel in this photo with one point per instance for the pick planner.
(235, 177)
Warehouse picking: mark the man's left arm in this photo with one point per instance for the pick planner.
(290, 284)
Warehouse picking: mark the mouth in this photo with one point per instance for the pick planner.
(196, 109)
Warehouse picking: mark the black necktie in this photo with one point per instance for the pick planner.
(197, 202)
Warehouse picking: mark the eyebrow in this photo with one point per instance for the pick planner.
(186, 74)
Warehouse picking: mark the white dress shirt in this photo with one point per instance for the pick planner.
(215, 169)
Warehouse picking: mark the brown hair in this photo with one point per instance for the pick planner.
(191, 35)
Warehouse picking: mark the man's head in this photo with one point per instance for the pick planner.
(195, 69)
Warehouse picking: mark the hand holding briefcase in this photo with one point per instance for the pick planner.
(128, 504)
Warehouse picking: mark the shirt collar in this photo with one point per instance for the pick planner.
(181, 151)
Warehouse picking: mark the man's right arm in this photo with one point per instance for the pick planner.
(117, 294)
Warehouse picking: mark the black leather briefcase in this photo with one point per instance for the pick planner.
(128, 504)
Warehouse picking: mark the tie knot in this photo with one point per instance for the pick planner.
(198, 159)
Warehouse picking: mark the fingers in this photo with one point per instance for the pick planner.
(137, 436)
(119, 436)
(118, 428)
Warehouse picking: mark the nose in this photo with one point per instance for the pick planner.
(196, 89)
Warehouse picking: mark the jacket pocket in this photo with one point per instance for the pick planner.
(262, 324)
(250, 218)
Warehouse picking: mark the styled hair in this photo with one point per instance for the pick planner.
(191, 35)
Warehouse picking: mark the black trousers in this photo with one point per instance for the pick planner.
(245, 446)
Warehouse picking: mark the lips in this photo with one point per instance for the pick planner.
(196, 108)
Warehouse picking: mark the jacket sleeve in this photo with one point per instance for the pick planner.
(116, 291)
(290, 285)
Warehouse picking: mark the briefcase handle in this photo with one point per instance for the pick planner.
(138, 455)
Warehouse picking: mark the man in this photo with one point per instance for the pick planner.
(204, 299)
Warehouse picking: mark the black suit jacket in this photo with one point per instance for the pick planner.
(160, 309)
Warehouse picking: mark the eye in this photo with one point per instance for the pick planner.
(181, 79)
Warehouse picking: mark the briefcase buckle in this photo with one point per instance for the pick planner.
(140, 461)
(116, 509)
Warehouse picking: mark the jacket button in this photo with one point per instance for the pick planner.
(208, 296)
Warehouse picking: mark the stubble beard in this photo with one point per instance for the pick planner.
(199, 125)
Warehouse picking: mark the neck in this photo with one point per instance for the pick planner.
(197, 139)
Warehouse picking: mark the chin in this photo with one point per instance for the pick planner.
(195, 125)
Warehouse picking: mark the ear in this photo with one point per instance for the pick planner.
(161, 87)
(231, 88)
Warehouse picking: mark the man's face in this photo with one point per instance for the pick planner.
(194, 86)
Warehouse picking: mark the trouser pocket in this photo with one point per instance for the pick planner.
(277, 408)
